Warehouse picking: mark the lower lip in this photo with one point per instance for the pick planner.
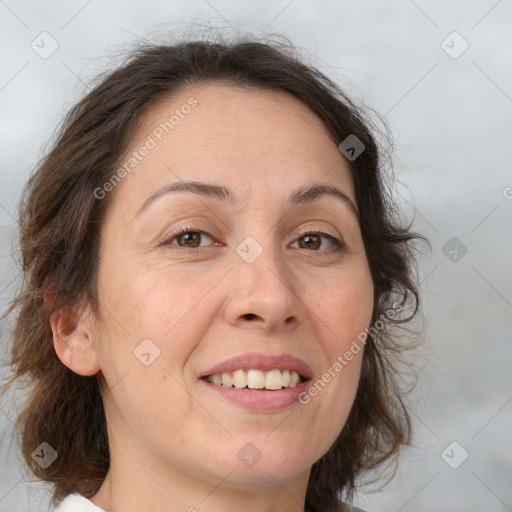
(260, 400)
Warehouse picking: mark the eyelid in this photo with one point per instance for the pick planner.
(305, 231)
(337, 242)
(181, 229)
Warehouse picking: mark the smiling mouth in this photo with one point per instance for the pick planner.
(273, 380)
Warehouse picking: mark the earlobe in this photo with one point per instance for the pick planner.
(73, 344)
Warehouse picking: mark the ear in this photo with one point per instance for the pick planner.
(73, 339)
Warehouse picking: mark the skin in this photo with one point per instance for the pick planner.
(174, 445)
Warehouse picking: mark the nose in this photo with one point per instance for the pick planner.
(263, 291)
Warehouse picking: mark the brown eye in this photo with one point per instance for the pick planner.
(314, 241)
(188, 238)
(311, 241)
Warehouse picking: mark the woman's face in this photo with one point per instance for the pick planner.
(244, 283)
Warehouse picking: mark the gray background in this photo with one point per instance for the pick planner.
(450, 115)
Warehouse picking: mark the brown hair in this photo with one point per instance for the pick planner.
(60, 220)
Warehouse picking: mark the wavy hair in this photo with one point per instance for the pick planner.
(60, 219)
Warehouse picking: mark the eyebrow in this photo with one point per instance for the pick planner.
(302, 195)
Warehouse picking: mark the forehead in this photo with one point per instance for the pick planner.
(256, 141)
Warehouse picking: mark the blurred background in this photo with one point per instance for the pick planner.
(441, 74)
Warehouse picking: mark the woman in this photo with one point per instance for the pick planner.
(212, 271)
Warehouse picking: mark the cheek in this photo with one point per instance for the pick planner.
(168, 308)
(148, 321)
(168, 303)
(346, 309)
(153, 298)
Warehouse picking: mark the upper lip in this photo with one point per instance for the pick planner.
(259, 361)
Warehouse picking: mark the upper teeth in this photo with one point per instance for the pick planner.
(256, 379)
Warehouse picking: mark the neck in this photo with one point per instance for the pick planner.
(133, 484)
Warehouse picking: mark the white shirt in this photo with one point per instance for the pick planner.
(77, 503)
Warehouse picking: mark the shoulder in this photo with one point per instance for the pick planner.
(77, 503)
(346, 508)
(351, 508)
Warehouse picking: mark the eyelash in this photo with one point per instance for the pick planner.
(338, 244)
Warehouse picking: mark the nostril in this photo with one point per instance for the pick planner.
(250, 316)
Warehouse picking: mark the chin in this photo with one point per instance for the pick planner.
(264, 477)
(260, 469)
